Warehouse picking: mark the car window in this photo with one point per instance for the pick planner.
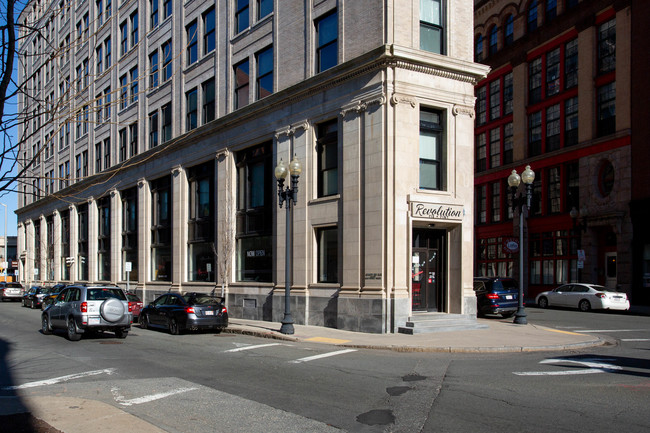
(201, 300)
(564, 289)
(62, 296)
(509, 284)
(160, 301)
(132, 298)
(100, 294)
(175, 300)
(15, 285)
(478, 285)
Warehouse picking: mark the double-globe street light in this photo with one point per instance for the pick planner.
(288, 194)
(518, 202)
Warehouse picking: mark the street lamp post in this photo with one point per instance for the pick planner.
(518, 202)
(288, 194)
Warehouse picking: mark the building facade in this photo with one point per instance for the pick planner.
(156, 126)
(559, 98)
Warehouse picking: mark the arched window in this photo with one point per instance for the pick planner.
(493, 39)
(508, 36)
(551, 9)
(532, 16)
(478, 54)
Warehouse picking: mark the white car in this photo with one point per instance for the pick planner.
(584, 297)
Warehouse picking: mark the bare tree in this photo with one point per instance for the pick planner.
(226, 225)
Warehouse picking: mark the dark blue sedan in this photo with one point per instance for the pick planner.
(191, 311)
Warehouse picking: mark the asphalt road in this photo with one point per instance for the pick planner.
(236, 383)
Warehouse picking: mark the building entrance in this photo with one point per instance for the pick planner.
(427, 280)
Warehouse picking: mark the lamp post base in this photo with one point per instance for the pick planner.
(520, 317)
(287, 325)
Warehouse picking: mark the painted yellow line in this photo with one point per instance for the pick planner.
(327, 340)
(562, 332)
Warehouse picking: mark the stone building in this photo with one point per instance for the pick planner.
(559, 97)
(158, 124)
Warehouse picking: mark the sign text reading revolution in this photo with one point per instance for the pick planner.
(435, 211)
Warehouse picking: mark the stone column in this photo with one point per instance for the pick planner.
(179, 226)
(93, 223)
(144, 236)
(116, 236)
(56, 220)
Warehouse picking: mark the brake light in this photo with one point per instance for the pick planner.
(189, 310)
(492, 296)
(130, 307)
(601, 295)
(84, 307)
(224, 310)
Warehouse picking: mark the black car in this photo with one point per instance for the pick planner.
(496, 295)
(191, 311)
(34, 297)
(51, 295)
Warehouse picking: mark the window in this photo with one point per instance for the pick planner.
(507, 93)
(553, 193)
(571, 64)
(264, 73)
(161, 229)
(495, 99)
(192, 43)
(100, 109)
(109, 9)
(481, 105)
(209, 40)
(107, 104)
(508, 37)
(535, 81)
(478, 54)
(167, 8)
(553, 123)
(153, 129)
(553, 72)
(553, 258)
(328, 254)
(431, 150)
(481, 204)
(255, 205)
(153, 66)
(202, 260)
(571, 121)
(134, 84)
(124, 38)
(241, 15)
(133, 142)
(78, 168)
(208, 100)
(104, 239)
(241, 84)
(84, 163)
(573, 186)
(167, 61)
(166, 122)
(134, 29)
(496, 202)
(100, 59)
(123, 139)
(107, 50)
(494, 35)
(107, 152)
(532, 16)
(130, 224)
(481, 152)
(264, 8)
(124, 91)
(153, 21)
(551, 10)
(327, 30)
(192, 109)
(431, 26)
(495, 147)
(327, 148)
(606, 109)
(100, 12)
(607, 47)
(535, 134)
(98, 157)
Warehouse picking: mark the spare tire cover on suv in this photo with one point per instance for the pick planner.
(112, 310)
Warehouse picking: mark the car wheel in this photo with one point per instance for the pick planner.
(173, 327)
(32, 305)
(144, 321)
(542, 302)
(584, 305)
(73, 335)
(121, 333)
(45, 326)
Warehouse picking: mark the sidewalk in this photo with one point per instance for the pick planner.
(501, 335)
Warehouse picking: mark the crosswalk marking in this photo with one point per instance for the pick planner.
(147, 398)
(258, 346)
(323, 355)
(58, 379)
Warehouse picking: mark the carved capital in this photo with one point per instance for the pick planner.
(292, 130)
(361, 106)
(176, 170)
(142, 182)
(402, 99)
(463, 109)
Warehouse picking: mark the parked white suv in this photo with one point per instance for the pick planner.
(81, 308)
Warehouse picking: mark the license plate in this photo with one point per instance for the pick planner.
(509, 296)
(209, 313)
(93, 321)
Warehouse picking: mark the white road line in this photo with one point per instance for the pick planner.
(558, 373)
(609, 330)
(147, 398)
(324, 355)
(239, 349)
(596, 365)
(59, 379)
(635, 339)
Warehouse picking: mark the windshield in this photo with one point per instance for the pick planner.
(105, 293)
(131, 297)
(201, 299)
